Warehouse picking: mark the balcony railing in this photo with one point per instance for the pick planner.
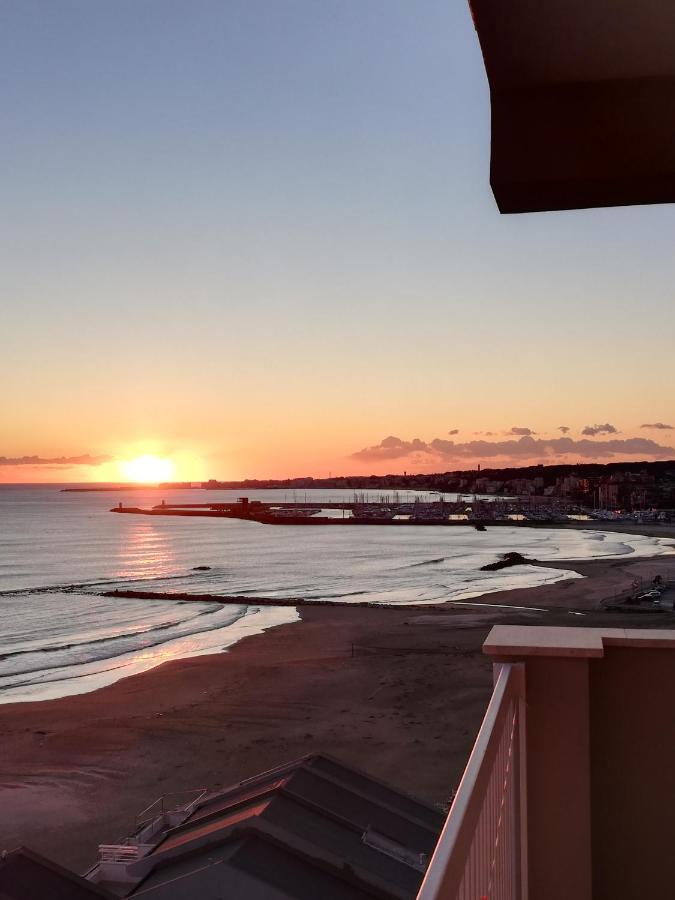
(481, 852)
(118, 853)
(177, 801)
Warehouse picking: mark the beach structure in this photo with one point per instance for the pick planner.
(568, 792)
(313, 828)
(25, 875)
(582, 94)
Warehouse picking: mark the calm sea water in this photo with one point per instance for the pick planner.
(59, 551)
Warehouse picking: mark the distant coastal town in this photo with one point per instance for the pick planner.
(630, 486)
(628, 493)
(618, 487)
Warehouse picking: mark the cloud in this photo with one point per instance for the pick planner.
(521, 431)
(563, 428)
(592, 430)
(456, 430)
(84, 460)
(517, 451)
(659, 425)
(392, 448)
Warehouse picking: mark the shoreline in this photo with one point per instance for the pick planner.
(556, 588)
(602, 580)
(595, 568)
(608, 577)
(397, 691)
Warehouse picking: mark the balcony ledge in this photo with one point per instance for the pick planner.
(517, 641)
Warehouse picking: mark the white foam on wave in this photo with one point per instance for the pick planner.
(64, 681)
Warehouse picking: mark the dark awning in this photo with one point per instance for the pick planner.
(583, 101)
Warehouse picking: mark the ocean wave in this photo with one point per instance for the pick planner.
(77, 678)
(128, 635)
(63, 673)
(335, 596)
(425, 562)
(97, 650)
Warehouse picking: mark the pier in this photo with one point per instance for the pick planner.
(460, 512)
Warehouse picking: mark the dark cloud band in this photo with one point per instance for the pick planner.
(525, 448)
(84, 460)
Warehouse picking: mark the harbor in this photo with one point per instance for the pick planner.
(461, 511)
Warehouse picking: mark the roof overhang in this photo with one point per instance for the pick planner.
(583, 101)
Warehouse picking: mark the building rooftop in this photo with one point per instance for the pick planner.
(25, 875)
(313, 827)
(307, 829)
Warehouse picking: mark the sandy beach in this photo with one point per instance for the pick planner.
(603, 581)
(398, 692)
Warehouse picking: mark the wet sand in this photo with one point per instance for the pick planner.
(604, 580)
(398, 692)
(652, 529)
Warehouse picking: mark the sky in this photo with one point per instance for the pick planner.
(257, 238)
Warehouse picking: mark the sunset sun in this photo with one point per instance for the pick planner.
(147, 469)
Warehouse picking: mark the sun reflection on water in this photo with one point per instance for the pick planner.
(145, 552)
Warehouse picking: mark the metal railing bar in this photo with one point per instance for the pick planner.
(471, 854)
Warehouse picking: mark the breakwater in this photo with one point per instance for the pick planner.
(254, 601)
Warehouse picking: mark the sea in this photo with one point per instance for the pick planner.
(60, 551)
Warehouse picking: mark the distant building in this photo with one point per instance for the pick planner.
(608, 494)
